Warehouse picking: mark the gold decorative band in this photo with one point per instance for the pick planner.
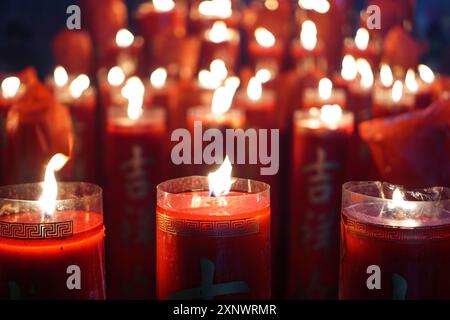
(207, 228)
(35, 231)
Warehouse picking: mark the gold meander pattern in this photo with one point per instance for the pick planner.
(51, 230)
(223, 228)
(392, 233)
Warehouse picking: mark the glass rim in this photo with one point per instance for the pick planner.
(162, 190)
(97, 191)
(349, 187)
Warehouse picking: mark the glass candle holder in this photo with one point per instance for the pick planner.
(213, 247)
(395, 242)
(59, 256)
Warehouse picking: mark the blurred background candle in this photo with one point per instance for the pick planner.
(320, 148)
(401, 237)
(213, 238)
(363, 47)
(135, 163)
(347, 74)
(163, 93)
(205, 13)
(308, 52)
(425, 81)
(324, 94)
(51, 239)
(265, 50)
(393, 101)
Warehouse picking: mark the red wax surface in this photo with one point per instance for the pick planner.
(414, 262)
(135, 163)
(37, 268)
(318, 171)
(193, 264)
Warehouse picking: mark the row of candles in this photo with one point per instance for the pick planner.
(219, 237)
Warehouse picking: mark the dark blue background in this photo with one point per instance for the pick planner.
(27, 26)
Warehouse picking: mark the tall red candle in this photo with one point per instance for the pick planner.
(135, 164)
(320, 147)
(42, 256)
(265, 50)
(213, 247)
(394, 242)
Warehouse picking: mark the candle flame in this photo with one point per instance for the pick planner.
(219, 32)
(219, 69)
(254, 89)
(271, 4)
(163, 5)
(410, 81)
(47, 201)
(10, 87)
(349, 69)
(399, 202)
(264, 75)
(386, 76)
(223, 98)
(208, 80)
(325, 88)
(216, 8)
(425, 73)
(220, 181)
(79, 85)
(134, 91)
(158, 78)
(321, 6)
(264, 37)
(365, 70)
(116, 76)
(233, 83)
(397, 91)
(331, 114)
(124, 38)
(60, 76)
(362, 39)
(308, 35)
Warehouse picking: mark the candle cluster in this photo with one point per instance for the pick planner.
(327, 104)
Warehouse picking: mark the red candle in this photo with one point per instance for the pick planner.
(265, 51)
(135, 164)
(348, 74)
(52, 248)
(222, 43)
(206, 13)
(162, 17)
(421, 88)
(80, 98)
(9, 90)
(320, 148)
(394, 242)
(213, 247)
(324, 94)
(363, 47)
(389, 102)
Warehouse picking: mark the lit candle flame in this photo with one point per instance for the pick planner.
(60, 76)
(216, 8)
(233, 83)
(425, 73)
(223, 98)
(386, 76)
(134, 91)
(365, 70)
(264, 75)
(219, 69)
(116, 76)
(325, 88)
(331, 114)
(264, 37)
(254, 89)
(410, 81)
(349, 69)
(397, 91)
(271, 4)
(163, 5)
(208, 80)
(79, 85)
(158, 78)
(47, 201)
(220, 181)
(362, 39)
(10, 87)
(321, 6)
(308, 35)
(124, 38)
(399, 202)
(218, 33)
